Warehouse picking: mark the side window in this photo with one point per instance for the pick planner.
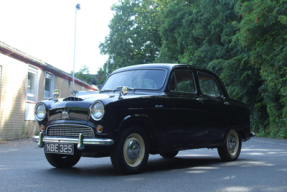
(208, 85)
(182, 81)
(32, 93)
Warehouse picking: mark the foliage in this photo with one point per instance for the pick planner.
(134, 36)
(83, 74)
(101, 76)
(243, 41)
(263, 32)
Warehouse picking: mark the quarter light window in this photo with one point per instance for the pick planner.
(208, 85)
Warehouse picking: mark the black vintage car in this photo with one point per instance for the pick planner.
(142, 110)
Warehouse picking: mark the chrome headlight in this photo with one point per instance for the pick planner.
(40, 111)
(97, 111)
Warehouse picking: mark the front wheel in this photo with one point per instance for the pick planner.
(62, 161)
(131, 154)
(232, 147)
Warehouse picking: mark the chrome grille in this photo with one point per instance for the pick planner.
(70, 131)
(73, 99)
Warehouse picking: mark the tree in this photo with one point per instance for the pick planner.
(242, 41)
(83, 74)
(263, 32)
(134, 36)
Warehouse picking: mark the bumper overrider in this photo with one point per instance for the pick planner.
(81, 141)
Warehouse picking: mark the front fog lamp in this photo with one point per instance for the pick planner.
(97, 111)
(40, 111)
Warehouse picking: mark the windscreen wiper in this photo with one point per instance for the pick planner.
(107, 90)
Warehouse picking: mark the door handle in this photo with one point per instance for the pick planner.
(226, 103)
(199, 100)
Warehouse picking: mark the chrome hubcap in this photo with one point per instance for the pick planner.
(133, 150)
(232, 143)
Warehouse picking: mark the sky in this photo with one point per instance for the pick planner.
(45, 30)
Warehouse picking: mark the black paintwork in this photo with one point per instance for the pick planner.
(172, 120)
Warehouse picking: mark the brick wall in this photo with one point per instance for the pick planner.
(65, 87)
(13, 97)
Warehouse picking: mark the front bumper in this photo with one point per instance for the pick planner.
(81, 141)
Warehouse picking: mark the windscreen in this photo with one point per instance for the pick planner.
(137, 79)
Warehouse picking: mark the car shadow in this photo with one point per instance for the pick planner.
(165, 164)
(153, 165)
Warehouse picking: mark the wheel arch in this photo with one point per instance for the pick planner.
(144, 122)
(240, 132)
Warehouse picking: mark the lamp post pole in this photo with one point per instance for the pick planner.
(77, 8)
(107, 69)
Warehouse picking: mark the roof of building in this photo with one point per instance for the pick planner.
(21, 56)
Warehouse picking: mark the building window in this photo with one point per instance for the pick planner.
(49, 85)
(32, 93)
(0, 83)
(32, 84)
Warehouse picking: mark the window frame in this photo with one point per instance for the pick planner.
(175, 79)
(215, 82)
(29, 107)
(147, 69)
(34, 71)
(51, 77)
(0, 83)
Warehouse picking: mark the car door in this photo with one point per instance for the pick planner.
(214, 104)
(186, 115)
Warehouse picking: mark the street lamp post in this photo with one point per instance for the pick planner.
(107, 69)
(77, 8)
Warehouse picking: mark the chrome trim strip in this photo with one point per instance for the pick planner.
(86, 141)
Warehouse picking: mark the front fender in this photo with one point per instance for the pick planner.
(144, 121)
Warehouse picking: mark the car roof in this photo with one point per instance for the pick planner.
(168, 66)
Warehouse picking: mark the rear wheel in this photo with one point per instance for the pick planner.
(131, 154)
(232, 147)
(171, 154)
(62, 161)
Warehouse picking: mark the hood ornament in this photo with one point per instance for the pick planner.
(56, 94)
(74, 93)
(124, 91)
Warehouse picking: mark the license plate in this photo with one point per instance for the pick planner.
(59, 148)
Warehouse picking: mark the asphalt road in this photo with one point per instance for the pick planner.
(262, 166)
